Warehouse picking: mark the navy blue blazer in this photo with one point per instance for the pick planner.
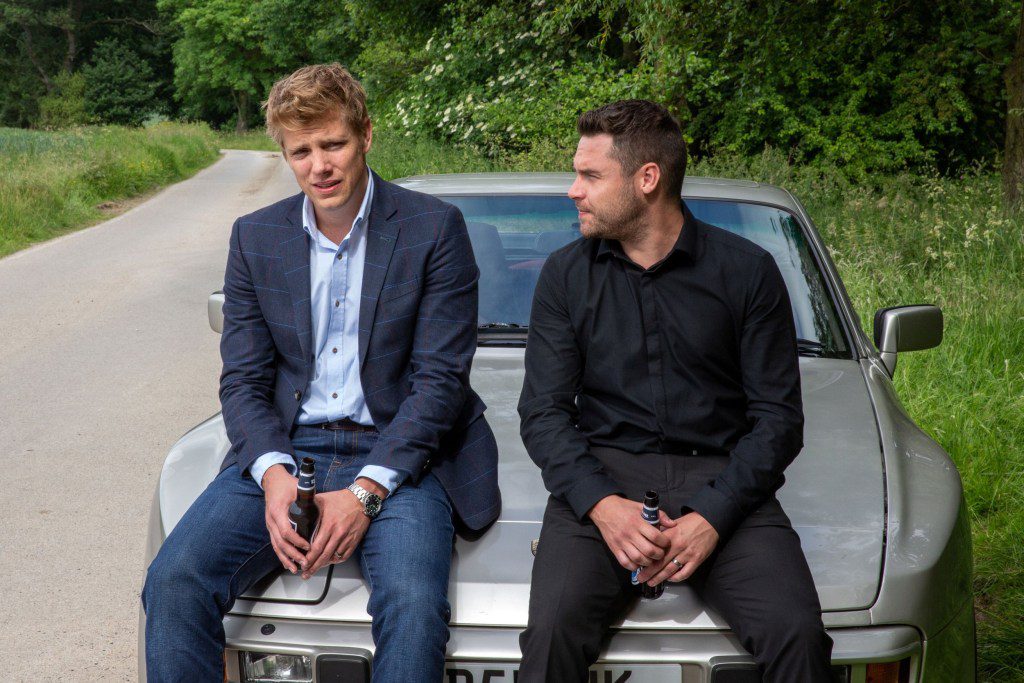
(417, 336)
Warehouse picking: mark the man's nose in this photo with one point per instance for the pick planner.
(575, 191)
(320, 163)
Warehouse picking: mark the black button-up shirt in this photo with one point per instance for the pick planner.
(696, 353)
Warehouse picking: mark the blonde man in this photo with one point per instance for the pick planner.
(350, 321)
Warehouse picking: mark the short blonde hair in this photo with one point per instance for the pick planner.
(313, 93)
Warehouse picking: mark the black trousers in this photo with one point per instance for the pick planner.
(757, 579)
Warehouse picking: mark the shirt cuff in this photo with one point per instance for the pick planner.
(589, 491)
(718, 509)
(263, 463)
(385, 476)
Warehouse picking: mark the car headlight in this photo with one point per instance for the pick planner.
(261, 667)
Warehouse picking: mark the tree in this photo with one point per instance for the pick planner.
(43, 39)
(235, 49)
(1013, 154)
(119, 85)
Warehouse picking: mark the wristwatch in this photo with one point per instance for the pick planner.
(371, 501)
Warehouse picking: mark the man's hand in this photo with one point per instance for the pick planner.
(691, 540)
(634, 542)
(279, 492)
(342, 526)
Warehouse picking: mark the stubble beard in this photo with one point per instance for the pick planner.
(622, 221)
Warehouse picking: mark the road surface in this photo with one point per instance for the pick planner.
(107, 358)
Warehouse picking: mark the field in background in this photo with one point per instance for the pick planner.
(905, 239)
(55, 182)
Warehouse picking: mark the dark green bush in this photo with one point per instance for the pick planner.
(66, 106)
(119, 85)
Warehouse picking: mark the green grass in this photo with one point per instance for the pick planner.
(55, 182)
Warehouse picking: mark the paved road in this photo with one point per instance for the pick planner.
(106, 358)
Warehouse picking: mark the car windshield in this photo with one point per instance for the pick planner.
(512, 235)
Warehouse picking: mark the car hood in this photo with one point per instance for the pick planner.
(834, 495)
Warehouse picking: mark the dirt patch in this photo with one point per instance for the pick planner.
(113, 208)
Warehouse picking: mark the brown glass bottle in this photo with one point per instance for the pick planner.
(650, 515)
(303, 513)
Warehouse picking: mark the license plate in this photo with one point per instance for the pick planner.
(466, 672)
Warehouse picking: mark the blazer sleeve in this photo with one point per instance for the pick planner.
(248, 353)
(443, 344)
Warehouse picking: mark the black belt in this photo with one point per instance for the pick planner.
(346, 425)
(670, 447)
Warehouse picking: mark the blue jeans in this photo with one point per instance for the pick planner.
(221, 547)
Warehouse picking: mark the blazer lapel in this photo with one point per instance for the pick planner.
(294, 250)
(381, 236)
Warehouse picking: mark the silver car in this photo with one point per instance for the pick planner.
(877, 503)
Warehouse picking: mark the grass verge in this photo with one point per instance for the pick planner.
(55, 182)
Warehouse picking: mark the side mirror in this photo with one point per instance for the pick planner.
(215, 311)
(906, 328)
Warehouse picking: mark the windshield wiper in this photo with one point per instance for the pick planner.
(501, 326)
(806, 347)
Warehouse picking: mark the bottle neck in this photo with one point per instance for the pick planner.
(306, 481)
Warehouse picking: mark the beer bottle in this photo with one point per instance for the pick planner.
(650, 515)
(303, 512)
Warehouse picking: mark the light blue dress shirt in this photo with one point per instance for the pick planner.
(336, 285)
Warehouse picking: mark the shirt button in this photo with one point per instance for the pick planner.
(337, 302)
(298, 395)
(334, 395)
(339, 257)
(334, 350)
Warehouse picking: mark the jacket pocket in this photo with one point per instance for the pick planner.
(392, 292)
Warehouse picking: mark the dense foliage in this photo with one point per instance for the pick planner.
(867, 84)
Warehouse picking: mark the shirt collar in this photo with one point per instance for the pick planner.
(686, 243)
(309, 216)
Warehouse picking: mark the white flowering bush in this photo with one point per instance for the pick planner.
(505, 79)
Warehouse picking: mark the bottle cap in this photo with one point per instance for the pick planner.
(651, 499)
(308, 466)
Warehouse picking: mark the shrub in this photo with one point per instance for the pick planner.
(65, 106)
(119, 85)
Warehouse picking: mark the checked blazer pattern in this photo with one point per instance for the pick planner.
(417, 337)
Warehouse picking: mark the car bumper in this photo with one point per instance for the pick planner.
(692, 657)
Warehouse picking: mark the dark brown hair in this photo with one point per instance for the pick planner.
(313, 93)
(642, 132)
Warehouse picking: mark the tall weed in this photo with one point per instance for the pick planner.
(54, 182)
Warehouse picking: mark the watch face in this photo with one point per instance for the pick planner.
(372, 505)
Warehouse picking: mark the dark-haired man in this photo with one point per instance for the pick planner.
(661, 355)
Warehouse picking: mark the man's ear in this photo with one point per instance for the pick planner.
(649, 178)
(368, 137)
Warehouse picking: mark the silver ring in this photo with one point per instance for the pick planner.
(338, 556)
(677, 563)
